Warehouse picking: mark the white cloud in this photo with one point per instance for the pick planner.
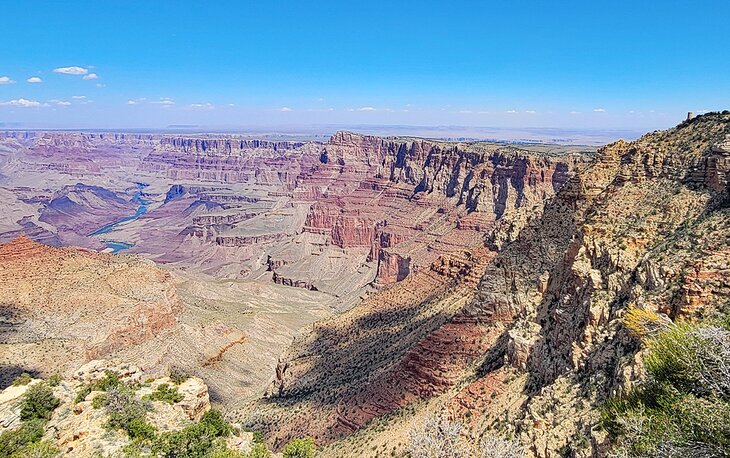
(466, 111)
(511, 111)
(530, 111)
(132, 102)
(165, 102)
(482, 112)
(202, 106)
(24, 103)
(599, 110)
(231, 105)
(6, 80)
(62, 103)
(34, 79)
(71, 70)
(575, 112)
(367, 109)
(285, 109)
(78, 97)
(100, 85)
(91, 76)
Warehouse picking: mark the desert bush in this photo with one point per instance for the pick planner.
(194, 441)
(99, 401)
(300, 448)
(437, 437)
(128, 413)
(178, 375)
(682, 408)
(491, 446)
(110, 380)
(644, 323)
(38, 402)
(22, 379)
(138, 428)
(165, 393)
(259, 450)
(42, 449)
(13, 440)
(54, 380)
(223, 452)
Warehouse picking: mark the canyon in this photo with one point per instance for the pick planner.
(346, 290)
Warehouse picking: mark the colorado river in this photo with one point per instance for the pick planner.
(116, 245)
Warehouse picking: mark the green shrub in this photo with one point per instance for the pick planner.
(223, 452)
(38, 402)
(259, 450)
(194, 441)
(214, 420)
(110, 380)
(138, 428)
(99, 401)
(14, 440)
(165, 393)
(178, 375)
(54, 380)
(682, 409)
(42, 449)
(126, 412)
(22, 379)
(82, 393)
(300, 448)
(258, 437)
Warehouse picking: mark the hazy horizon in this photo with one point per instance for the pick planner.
(322, 132)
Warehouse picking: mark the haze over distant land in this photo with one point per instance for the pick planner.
(323, 132)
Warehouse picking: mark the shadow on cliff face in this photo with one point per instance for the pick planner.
(10, 320)
(573, 302)
(353, 354)
(8, 373)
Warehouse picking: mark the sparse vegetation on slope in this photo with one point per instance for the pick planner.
(38, 403)
(439, 437)
(165, 393)
(683, 407)
(36, 407)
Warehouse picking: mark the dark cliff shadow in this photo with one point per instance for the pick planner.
(353, 355)
(8, 373)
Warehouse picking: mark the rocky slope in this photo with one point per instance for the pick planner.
(78, 427)
(62, 307)
(536, 345)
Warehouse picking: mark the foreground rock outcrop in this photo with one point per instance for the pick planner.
(80, 427)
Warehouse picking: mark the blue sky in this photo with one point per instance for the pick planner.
(598, 64)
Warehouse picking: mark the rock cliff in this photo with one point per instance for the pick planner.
(524, 337)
